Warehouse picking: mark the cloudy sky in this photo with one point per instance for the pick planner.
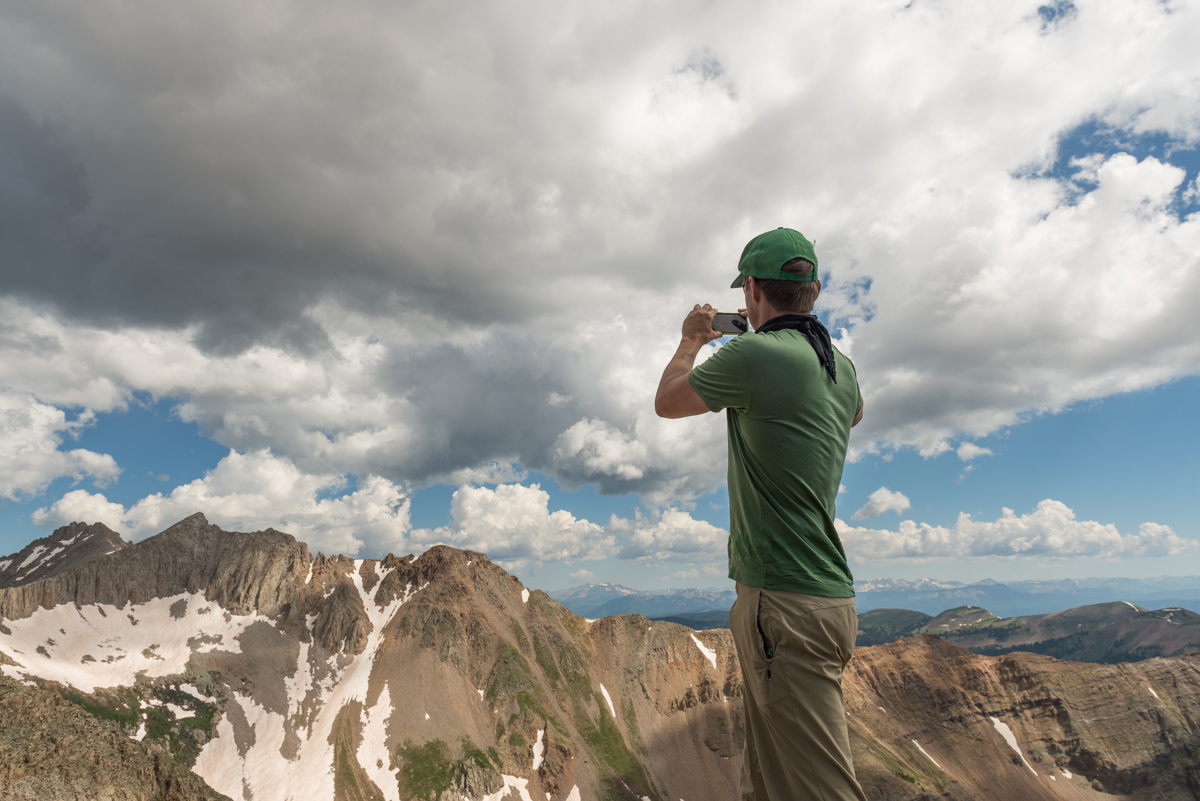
(386, 274)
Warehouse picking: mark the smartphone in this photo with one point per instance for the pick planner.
(730, 323)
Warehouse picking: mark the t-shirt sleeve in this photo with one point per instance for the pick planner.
(721, 381)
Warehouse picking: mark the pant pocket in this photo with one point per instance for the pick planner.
(771, 642)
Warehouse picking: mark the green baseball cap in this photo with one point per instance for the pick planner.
(765, 255)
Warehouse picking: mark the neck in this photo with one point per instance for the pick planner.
(766, 312)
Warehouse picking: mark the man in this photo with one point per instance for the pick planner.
(790, 399)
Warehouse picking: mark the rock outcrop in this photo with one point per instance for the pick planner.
(68, 547)
(52, 750)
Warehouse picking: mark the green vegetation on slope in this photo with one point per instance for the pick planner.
(881, 626)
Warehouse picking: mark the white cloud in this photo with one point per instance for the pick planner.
(598, 449)
(675, 536)
(969, 450)
(513, 524)
(1049, 531)
(582, 575)
(372, 283)
(880, 502)
(31, 434)
(255, 491)
(684, 575)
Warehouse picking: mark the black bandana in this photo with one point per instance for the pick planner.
(818, 336)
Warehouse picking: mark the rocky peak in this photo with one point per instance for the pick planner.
(66, 548)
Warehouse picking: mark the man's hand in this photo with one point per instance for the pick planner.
(675, 396)
(698, 325)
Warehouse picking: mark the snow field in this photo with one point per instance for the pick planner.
(179, 712)
(373, 752)
(310, 774)
(709, 653)
(1011, 739)
(608, 698)
(538, 749)
(511, 783)
(926, 753)
(104, 646)
(33, 555)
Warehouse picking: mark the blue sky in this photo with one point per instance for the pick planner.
(341, 308)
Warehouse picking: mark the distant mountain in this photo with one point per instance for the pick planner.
(1106, 633)
(604, 600)
(700, 621)
(1025, 597)
(880, 626)
(68, 546)
(274, 675)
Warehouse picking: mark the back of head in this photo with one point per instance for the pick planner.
(792, 296)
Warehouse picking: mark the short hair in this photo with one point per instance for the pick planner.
(791, 296)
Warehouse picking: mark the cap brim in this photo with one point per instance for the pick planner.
(737, 282)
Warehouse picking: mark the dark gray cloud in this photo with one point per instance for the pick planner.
(401, 241)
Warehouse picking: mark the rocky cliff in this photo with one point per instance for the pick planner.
(276, 675)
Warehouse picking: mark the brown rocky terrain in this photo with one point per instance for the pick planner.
(65, 548)
(277, 675)
(1109, 632)
(51, 749)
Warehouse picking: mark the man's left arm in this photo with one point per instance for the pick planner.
(676, 397)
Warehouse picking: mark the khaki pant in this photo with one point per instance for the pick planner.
(793, 649)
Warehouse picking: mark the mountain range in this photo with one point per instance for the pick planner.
(1110, 633)
(1031, 597)
(201, 663)
(930, 596)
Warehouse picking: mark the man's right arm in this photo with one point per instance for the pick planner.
(676, 397)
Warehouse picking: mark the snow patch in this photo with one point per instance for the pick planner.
(308, 578)
(373, 754)
(480, 694)
(608, 698)
(522, 788)
(709, 653)
(538, 748)
(427, 716)
(269, 775)
(524, 595)
(299, 683)
(1066, 773)
(192, 691)
(926, 753)
(34, 554)
(141, 732)
(1011, 739)
(1131, 606)
(574, 796)
(159, 644)
(1151, 689)
(4, 563)
(179, 712)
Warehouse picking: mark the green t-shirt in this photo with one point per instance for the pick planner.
(788, 426)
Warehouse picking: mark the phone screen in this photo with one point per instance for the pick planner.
(730, 323)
